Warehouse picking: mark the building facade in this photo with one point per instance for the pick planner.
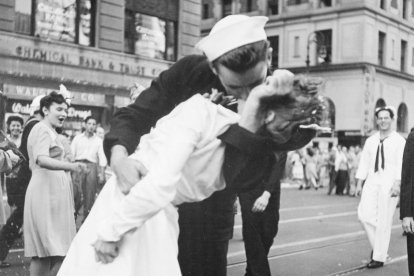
(363, 49)
(95, 48)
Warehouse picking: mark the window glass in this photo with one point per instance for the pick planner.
(273, 6)
(23, 17)
(130, 33)
(150, 36)
(296, 2)
(84, 27)
(227, 7)
(171, 39)
(55, 19)
(274, 43)
(296, 47)
(381, 44)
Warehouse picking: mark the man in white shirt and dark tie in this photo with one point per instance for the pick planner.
(87, 148)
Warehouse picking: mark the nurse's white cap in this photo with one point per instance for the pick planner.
(231, 32)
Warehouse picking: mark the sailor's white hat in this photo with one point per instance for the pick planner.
(231, 32)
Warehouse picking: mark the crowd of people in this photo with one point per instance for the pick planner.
(334, 167)
(209, 129)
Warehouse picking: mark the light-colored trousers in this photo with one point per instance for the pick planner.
(375, 212)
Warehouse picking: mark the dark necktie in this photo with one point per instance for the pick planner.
(380, 149)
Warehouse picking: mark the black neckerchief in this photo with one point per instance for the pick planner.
(380, 149)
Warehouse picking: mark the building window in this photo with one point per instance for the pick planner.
(404, 11)
(402, 115)
(85, 34)
(205, 11)
(412, 56)
(394, 4)
(69, 21)
(273, 7)
(412, 9)
(328, 113)
(249, 5)
(392, 49)
(150, 36)
(382, 4)
(381, 47)
(274, 43)
(296, 47)
(325, 3)
(296, 2)
(227, 7)
(324, 46)
(403, 55)
(23, 17)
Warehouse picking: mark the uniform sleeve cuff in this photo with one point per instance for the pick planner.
(246, 141)
(107, 233)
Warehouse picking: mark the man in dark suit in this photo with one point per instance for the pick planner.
(11, 231)
(407, 198)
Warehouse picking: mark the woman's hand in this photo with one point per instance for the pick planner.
(279, 83)
(106, 252)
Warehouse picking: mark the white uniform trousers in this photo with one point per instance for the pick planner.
(375, 212)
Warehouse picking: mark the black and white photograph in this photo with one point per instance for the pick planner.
(206, 137)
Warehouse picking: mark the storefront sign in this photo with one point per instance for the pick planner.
(28, 93)
(23, 108)
(89, 61)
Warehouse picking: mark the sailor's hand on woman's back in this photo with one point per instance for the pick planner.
(128, 171)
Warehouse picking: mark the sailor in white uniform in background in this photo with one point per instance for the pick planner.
(380, 167)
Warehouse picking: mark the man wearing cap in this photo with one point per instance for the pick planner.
(380, 168)
(237, 58)
(11, 231)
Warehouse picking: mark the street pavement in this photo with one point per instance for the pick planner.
(319, 235)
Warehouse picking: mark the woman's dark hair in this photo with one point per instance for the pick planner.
(14, 118)
(245, 57)
(278, 101)
(47, 101)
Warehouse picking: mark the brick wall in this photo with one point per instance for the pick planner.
(7, 15)
(189, 26)
(110, 24)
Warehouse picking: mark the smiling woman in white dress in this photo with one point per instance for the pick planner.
(184, 159)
